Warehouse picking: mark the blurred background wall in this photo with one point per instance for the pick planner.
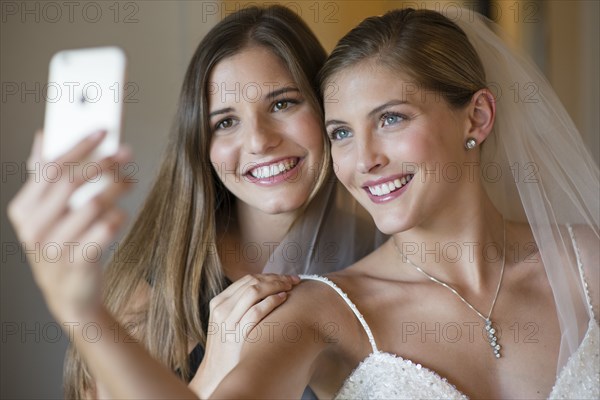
(159, 38)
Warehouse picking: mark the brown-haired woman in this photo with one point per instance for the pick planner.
(245, 188)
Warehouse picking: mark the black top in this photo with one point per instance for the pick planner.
(195, 359)
(197, 354)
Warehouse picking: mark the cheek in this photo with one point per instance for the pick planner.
(222, 156)
(414, 147)
(343, 164)
(309, 133)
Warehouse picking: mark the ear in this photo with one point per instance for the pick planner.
(481, 114)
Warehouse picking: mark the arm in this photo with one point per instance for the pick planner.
(239, 308)
(71, 286)
(123, 366)
(71, 283)
(127, 371)
(280, 359)
(78, 382)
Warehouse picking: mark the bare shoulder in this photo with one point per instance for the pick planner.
(312, 305)
(281, 354)
(319, 317)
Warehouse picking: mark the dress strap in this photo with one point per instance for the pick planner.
(344, 296)
(581, 274)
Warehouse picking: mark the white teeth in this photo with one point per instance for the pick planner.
(388, 187)
(268, 171)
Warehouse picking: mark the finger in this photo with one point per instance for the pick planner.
(259, 278)
(83, 148)
(242, 284)
(222, 304)
(254, 294)
(62, 168)
(36, 149)
(75, 222)
(260, 310)
(37, 186)
(55, 202)
(30, 192)
(98, 236)
(231, 290)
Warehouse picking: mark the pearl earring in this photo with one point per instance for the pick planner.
(470, 144)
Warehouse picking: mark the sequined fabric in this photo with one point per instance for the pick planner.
(387, 376)
(580, 377)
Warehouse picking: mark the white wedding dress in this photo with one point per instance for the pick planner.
(384, 375)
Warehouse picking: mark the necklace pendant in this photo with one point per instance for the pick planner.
(491, 332)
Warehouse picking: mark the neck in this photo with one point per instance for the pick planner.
(257, 226)
(462, 245)
(250, 238)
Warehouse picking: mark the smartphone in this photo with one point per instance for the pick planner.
(84, 95)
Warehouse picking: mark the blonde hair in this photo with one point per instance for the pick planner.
(424, 44)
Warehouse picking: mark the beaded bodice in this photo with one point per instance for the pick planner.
(384, 375)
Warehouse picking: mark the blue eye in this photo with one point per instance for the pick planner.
(391, 119)
(339, 134)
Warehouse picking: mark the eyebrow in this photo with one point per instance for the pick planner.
(382, 107)
(374, 111)
(272, 95)
(278, 92)
(221, 111)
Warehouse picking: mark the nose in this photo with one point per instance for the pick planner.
(370, 156)
(262, 136)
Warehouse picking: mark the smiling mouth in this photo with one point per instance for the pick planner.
(391, 186)
(277, 168)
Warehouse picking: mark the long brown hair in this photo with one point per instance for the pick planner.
(424, 44)
(172, 244)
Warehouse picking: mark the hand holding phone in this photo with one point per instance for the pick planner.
(85, 95)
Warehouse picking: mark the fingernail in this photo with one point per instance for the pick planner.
(97, 135)
(282, 294)
(124, 152)
(295, 278)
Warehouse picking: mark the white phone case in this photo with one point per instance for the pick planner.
(84, 95)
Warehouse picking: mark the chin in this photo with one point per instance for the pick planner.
(280, 207)
(390, 226)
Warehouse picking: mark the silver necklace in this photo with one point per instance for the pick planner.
(491, 332)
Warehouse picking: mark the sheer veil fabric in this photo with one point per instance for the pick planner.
(334, 233)
(536, 168)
